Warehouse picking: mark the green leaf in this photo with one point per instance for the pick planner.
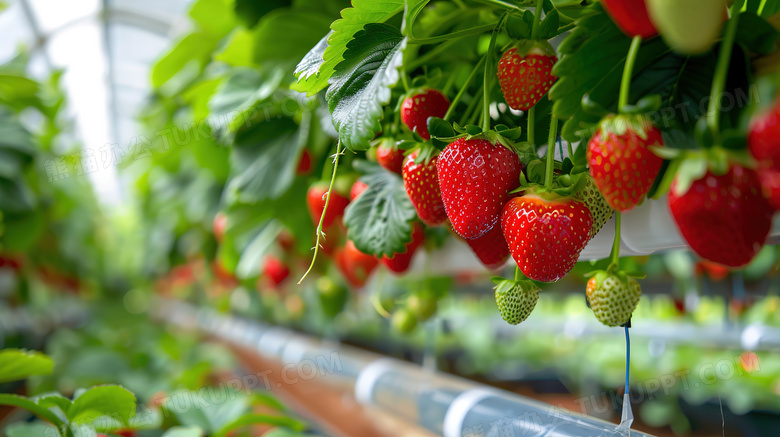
(548, 28)
(770, 7)
(756, 34)
(311, 63)
(353, 20)
(16, 196)
(29, 405)
(214, 16)
(266, 400)
(251, 258)
(287, 35)
(251, 11)
(194, 410)
(21, 230)
(51, 400)
(104, 400)
(264, 159)
(254, 418)
(194, 49)
(412, 9)
(180, 431)
(18, 91)
(440, 128)
(379, 221)
(282, 432)
(35, 429)
(517, 27)
(361, 84)
(244, 89)
(16, 364)
(240, 49)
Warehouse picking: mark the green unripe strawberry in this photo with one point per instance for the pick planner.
(423, 306)
(515, 299)
(404, 321)
(333, 296)
(600, 210)
(613, 298)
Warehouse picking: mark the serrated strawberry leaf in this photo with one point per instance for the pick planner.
(353, 20)
(16, 364)
(361, 84)
(263, 160)
(379, 221)
(312, 61)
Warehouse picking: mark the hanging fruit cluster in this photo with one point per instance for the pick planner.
(519, 129)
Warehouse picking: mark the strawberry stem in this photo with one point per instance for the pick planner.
(463, 89)
(615, 254)
(721, 72)
(625, 83)
(320, 233)
(531, 124)
(488, 69)
(404, 80)
(517, 273)
(502, 4)
(548, 171)
(426, 58)
(454, 35)
(537, 18)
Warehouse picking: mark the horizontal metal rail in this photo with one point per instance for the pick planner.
(443, 404)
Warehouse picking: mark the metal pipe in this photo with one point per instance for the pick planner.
(444, 404)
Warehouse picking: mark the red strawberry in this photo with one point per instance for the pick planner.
(422, 186)
(390, 157)
(631, 17)
(315, 200)
(220, 222)
(621, 161)
(475, 177)
(715, 271)
(304, 165)
(526, 77)
(225, 276)
(12, 262)
(770, 185)
(725, 218)
(400, 262)
(417, 108)
(275, 270)
(355, 265)
(286, 241)
(357, 189)
(491, 248)
(545, 236)
(764, 137)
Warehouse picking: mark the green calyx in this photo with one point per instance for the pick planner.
(563, 185)
(619, 124)
(527, 47)
(612, 270)
(688, 166)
